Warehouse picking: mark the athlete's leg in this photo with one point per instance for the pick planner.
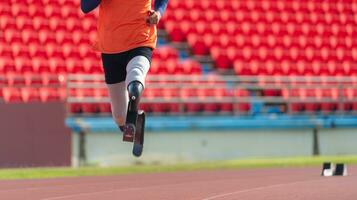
(119, 102)
(137, 70)
(115, 73)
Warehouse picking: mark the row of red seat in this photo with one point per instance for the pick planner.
(322, 107)
(42, 2)
(276, 5)
(31, 80)
(91, 108)
(289, 67)
(11, 94)
(51, 51)
(52, 24)
(31, 69)
(17, 49)
(54, 58)
(295, 32)
(40, 65)
(14, 95)
(264, 42)
(274, 47)
(254, 16)
(263, 54)
(349, 93)
(17, 95)
(46, 10)
(211, 107)
(171, 66)
(41, 40)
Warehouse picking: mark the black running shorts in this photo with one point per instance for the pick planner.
(115, 64)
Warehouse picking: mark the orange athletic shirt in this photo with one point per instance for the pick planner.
(121, 26)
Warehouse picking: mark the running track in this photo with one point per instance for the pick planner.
(248, 184)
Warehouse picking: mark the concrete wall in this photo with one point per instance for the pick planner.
(108, 148)
(34, 135)
(338, 142)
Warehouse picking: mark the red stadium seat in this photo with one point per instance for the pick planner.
(243, 106)
(209, 93)
(191, 106)
(175, 32)
(328, 95)
(350, 96)
(221, 59)
(167, 52)
(12, 95)
(191, 67)
(99, 95)
(198, 45)
(30, 95)
(49, 94)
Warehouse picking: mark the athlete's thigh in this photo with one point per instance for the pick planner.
(114, 67)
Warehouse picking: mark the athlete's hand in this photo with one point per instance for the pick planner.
(153, 18)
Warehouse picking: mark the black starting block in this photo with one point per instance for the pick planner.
(340, 170)
(328, 169)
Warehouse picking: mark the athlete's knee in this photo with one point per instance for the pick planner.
(137, 69)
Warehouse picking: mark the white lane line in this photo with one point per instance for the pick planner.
(57, 186)
(258, 188)
(91, 193)
(61, 186)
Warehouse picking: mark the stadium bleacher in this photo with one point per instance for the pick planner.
(270, 37)
(42, 42)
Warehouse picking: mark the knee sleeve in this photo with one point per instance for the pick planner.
(137, 69)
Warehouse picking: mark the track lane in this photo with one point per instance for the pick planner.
(198, 185)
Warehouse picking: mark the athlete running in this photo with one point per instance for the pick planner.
(127, 36)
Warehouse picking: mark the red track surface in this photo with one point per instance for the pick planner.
(267, 184)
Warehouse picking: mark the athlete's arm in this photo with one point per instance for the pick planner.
(155, 15)
(89, 5)
(160, 6)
